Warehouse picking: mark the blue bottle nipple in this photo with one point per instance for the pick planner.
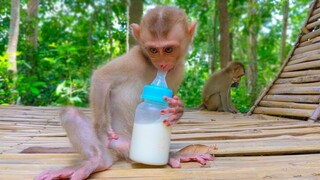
(157, 89)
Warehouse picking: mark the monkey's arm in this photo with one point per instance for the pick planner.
(100, 101)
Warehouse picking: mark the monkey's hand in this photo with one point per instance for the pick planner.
(234, 111)
(195, 152)
(176, 109)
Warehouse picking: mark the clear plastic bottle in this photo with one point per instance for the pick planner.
(150, 143)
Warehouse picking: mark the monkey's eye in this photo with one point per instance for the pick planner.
(153, 50)
(168, 49)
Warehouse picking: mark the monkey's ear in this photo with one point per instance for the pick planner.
(192, 28)
(135, 28)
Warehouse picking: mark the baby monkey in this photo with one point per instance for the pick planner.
(216, 91)
(163, 37)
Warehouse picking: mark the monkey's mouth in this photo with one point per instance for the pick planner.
(167, 68)
(235, 84)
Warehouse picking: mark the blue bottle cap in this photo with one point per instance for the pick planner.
(156, 93)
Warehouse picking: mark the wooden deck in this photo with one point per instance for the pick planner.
(249, 147)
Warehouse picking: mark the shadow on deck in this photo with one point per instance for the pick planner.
(249, 147)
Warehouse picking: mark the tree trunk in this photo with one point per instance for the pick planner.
(13, 35)
(32, 33)
(252, 51)
(214, 45)
(33, 8)
(284, 29)
(91, 26)
(225, 55)
(109, 26)
(135, 9)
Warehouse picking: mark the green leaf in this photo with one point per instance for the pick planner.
(60, 87)
(34, 90)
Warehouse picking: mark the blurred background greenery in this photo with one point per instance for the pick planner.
(74, 37)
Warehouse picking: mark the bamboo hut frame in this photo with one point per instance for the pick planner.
(295, 92)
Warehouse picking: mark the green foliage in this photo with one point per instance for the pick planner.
(75, 37)
(5, 81)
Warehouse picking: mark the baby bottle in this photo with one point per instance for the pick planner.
(150, 143)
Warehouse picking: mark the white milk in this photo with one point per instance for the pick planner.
(150, 143)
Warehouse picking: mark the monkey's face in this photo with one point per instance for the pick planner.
(238, 72)
(165, 51)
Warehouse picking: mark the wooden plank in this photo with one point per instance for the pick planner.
(293, 98)
(315, 11)
(284, 112)
(313, 25)
(296, 90)
(287, 105)
(309, 42)
(299, 56)
(314, 17)
(308, 48)
(241, 141)
(302, 66)
(305, 59)
(301, 79)
(306, 37)
(254, 167)
(299, 73)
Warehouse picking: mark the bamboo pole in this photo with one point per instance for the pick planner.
(314, 17)
(295, 85)
(287, 105)
(311, 8)
(296, 90)
(311, 47)
(305, 59)
(315, 115)
(302, 66)
(310, 35)
(283, 112)
(313, 25)
(293, 98)
(316, 11)
(311, 41)
(299, 73)
(303, 79)
(302, 55)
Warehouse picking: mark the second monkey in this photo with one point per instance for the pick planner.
(216, 91)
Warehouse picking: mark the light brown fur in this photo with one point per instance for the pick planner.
(116, 88)
(216, 91)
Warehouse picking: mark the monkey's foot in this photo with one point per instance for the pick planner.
(175, 161)
(112, 135)
(73, 173)
(55, 174)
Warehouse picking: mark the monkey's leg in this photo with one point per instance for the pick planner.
(230, 105)
(224, 102)
(83, 138)
(213, 102)
(39, 149)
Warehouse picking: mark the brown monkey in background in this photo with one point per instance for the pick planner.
(216, 91)
(164, 36)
